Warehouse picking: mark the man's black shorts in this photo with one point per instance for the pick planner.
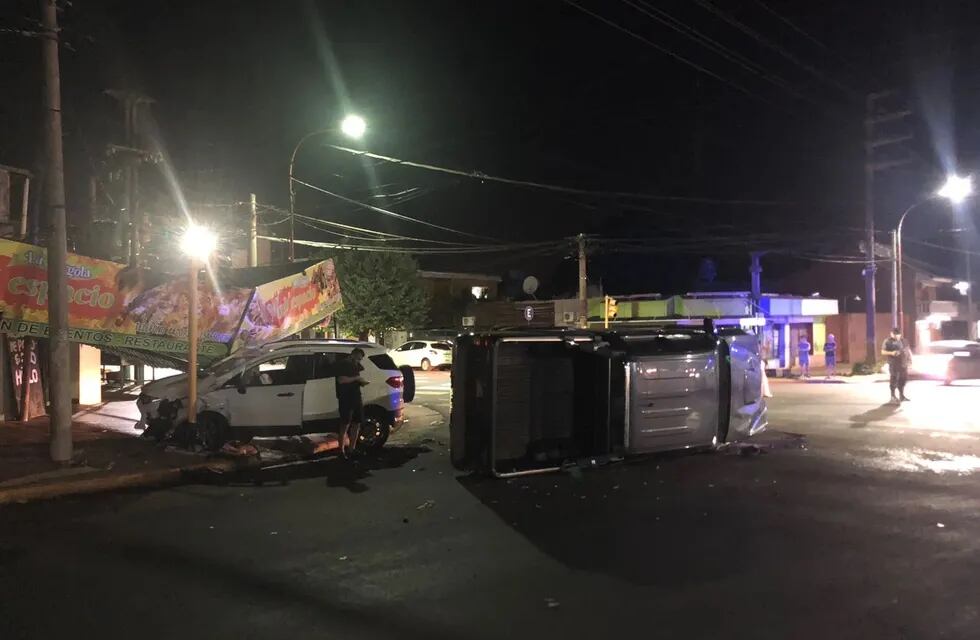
(351, 411)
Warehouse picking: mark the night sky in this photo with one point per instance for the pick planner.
(539, 90)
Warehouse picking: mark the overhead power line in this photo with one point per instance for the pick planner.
(769, 44)
(479, 175)
(792, 25)
(713, 45)
(551, 244)
(670, 53)
(393, 214)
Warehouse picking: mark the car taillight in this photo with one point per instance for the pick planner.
(395, 382)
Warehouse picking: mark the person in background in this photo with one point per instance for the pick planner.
(830, 355)
(803, 349)
(349, 383)
(899, 355)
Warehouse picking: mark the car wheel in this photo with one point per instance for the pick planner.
(426, 365)
(374, 431)
(408, 383)
(212, 429)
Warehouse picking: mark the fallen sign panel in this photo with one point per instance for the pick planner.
(113, 305)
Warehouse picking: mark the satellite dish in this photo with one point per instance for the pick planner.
(531, 285)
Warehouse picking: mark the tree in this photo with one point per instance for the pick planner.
(381, 292)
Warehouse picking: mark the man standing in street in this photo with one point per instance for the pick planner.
(899, 356)
(349, 383)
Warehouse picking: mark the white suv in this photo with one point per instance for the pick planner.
(279, 389)
(423, 354)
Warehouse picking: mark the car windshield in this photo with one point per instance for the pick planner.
(227, 365)
(444, 346)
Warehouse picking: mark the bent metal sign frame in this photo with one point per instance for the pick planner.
(112, 305)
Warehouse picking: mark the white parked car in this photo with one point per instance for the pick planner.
(423, 354)
(280, 389)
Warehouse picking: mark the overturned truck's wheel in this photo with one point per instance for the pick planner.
(212, 429)
(374, 431)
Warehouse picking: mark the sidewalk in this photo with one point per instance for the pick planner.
(108, 454)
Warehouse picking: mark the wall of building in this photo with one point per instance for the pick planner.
(849, 328)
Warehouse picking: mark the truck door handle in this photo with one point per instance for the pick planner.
(288, 394)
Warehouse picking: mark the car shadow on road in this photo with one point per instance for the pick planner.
(877, 414)
(662, 521)
(337, 472)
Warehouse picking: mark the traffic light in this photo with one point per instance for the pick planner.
(611, 309)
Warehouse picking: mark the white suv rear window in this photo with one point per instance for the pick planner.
(383, 361)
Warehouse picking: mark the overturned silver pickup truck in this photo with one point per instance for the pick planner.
(533, 401)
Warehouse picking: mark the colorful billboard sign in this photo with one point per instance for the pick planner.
(118, 306)
(285, 306)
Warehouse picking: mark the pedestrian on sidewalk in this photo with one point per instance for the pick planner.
(803, 351)
(899, 355)
(830, 355)
(349, 383)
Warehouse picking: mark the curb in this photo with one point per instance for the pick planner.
(155, 477)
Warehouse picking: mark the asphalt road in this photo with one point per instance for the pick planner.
(853, 520)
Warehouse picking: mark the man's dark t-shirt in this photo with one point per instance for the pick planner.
(348, 392)
(896, 344)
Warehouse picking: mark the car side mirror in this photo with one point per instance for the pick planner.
(241, 388)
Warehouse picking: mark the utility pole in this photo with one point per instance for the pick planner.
(873, 118)
(583, 285)
(253, 232)
(59, 366)
(131, 102)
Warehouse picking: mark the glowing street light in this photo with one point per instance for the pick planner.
(962, 286)
(956, 189)
(352, 126)
(197, 243)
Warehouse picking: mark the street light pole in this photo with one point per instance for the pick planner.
(971, 328)
(956, 190)
(198, 243)
(192, 346)
(899, 265)
(353, 126)
(292, 191)
(895, 279)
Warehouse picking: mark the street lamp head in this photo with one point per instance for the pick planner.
(962, 286)
(956, 189)
(198, 242)
(353, 126)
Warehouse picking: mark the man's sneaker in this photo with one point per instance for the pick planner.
(904, 399)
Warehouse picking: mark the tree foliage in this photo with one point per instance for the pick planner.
(381, 292)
